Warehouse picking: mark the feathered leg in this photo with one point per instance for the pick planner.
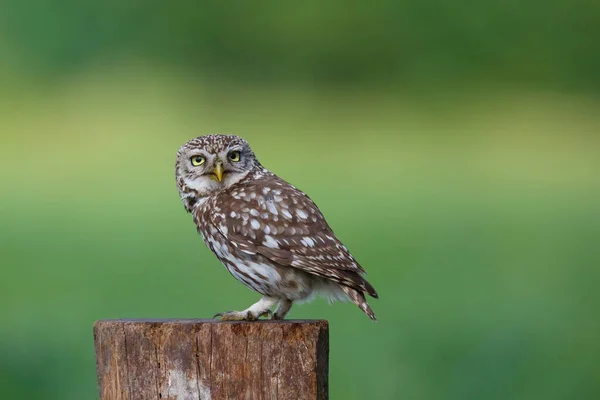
(282, 309)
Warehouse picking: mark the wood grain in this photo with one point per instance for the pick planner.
(208, 359)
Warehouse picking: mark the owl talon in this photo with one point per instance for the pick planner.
(267, 314)
(236, 316)
(242, 316)
(221, 314)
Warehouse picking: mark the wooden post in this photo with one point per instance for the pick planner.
(211, 360)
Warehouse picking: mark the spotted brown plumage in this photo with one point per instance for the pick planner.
(268, 234)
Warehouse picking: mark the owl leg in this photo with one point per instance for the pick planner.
(283, 307)
(261, 308)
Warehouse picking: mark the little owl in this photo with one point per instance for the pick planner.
(269, 235)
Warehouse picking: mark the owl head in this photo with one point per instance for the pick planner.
(211, 163)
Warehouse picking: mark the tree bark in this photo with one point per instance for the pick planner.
(208, 359)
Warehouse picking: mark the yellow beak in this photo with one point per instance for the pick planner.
(218, 172)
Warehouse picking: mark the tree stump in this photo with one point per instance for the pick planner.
(208, 359)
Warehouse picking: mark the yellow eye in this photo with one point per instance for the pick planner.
(234, 156)
(197, 160)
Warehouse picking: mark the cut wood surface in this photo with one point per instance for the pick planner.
(209, 359)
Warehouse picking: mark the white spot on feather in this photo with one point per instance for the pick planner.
(301, 213)
(272, 209)
(286, 213)
(255, 224)
(307, 241)
(270, 242)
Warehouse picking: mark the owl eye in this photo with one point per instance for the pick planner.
(197, 160)
(234, 156)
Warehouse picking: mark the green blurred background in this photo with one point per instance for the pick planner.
(453, 146)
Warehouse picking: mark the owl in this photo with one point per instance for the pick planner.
(268, 234)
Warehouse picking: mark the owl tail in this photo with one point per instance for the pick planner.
(359, 299)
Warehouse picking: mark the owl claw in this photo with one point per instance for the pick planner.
(242, 316)
(222, 314)
(232, 316)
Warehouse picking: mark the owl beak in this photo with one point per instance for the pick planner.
(218, 172)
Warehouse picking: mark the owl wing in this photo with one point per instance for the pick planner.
(270, 217)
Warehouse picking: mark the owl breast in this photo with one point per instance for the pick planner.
(253, 270)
